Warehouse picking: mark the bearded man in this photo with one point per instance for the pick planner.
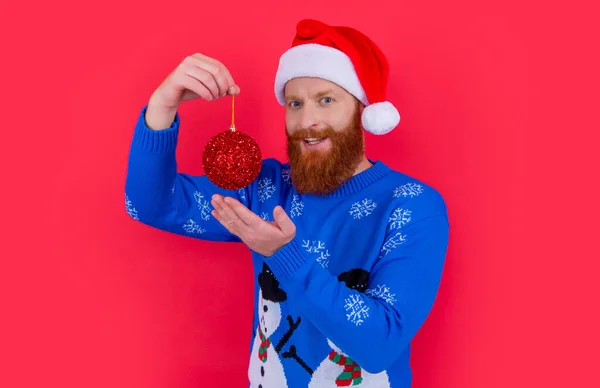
(347, 252)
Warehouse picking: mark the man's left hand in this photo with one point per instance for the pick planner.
(259, 235)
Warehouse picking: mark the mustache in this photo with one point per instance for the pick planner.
(306, 133)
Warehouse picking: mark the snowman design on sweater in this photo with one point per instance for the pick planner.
(338, 369)
(265, 369)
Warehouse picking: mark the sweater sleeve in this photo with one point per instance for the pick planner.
(156, 194)
(374, 325)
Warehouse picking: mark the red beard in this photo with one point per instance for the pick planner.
(322, 172)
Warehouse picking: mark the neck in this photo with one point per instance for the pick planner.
(363, 165)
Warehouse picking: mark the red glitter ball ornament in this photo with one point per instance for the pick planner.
(232, 159)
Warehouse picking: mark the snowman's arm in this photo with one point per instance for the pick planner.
(294, 355)
(158, 195)
(375, 327)
(286, 337)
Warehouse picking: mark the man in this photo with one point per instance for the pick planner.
(347, 253)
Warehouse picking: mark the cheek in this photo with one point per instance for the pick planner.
(290, 125)
(337, 119)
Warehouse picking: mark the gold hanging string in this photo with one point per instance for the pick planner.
(232, 114)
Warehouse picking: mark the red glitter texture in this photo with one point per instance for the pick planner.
(232, 160)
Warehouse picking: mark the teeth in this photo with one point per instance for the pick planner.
(313, 140)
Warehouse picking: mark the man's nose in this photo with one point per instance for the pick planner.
(309, 118)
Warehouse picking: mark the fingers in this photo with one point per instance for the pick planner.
(222, 71)
(229, 218)
(201, 72)
(241, 221)
(234, 90)
(218, 71)
(228, 224)
(192, 83)
(205, 78)
(228, 211)
(248, 216)
(284, 222)
(236, 210)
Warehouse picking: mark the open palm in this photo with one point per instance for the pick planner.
(259, 235)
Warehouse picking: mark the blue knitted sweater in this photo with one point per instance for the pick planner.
(338, 305)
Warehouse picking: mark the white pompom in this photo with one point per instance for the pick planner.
(380, 118)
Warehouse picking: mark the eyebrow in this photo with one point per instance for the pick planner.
(324, 93)
(317, 96)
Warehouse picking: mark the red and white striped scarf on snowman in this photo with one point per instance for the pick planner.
(351, 376)
(265, 343)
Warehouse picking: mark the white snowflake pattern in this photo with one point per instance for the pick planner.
(130, 209)
(203, 205)
(363, 208)
(266, 189)
(297, 207)
(317, 248)
(408, 190)
(399, 218)
(264, 216)
(313, 246)
(192, 227)
(393, 242)
(382, 292)
(286, 175)
(356, 308)
(323, 259)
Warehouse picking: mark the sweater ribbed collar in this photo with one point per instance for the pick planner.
(360, 181)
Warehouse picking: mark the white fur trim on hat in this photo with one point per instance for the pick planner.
(315, 60)
(380, 118)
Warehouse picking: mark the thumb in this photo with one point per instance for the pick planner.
(284, 222)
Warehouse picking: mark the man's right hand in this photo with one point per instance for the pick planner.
(197, 76)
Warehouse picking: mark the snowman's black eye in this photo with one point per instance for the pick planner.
(265, 308)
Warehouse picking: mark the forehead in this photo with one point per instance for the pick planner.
(307, 86)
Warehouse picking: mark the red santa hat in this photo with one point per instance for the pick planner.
(346, 57)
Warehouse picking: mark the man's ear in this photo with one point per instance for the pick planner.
(361, 107)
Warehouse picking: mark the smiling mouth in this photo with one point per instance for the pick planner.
(313, 140)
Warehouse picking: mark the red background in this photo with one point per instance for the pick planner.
(491, 97)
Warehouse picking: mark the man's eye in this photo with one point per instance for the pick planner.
(295, 104)
(327, 100)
